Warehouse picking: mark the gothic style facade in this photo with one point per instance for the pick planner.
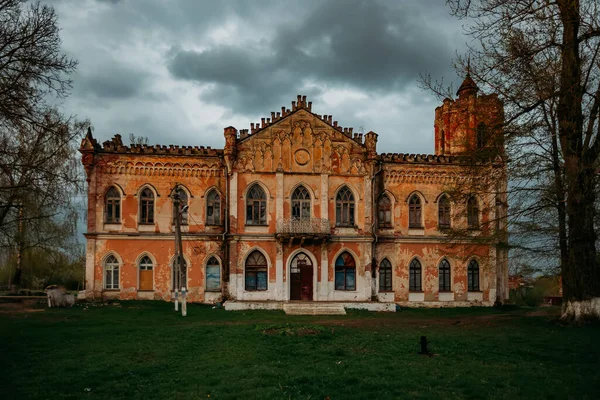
(299, 208)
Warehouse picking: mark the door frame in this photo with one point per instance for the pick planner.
(288, 264)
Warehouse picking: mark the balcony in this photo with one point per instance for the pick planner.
(313, 229)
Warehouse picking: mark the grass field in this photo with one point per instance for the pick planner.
(144, 350)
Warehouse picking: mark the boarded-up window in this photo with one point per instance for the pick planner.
(111, 273)
(384, 212)
(147, 207)
(473, 276)
(146, 277)
(213, 275)
(385, 276)
(444, 276)
(414, 283)
(213, 208)
(344, 208)
(256, 206)
(256, 271)
(345, 272)
(113, 206)
(444, 212)
(414, 212)
(301, 203)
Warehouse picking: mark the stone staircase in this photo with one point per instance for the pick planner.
(314, 308)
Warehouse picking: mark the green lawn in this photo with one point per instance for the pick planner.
(145, 350)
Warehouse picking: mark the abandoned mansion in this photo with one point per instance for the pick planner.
(299, 208)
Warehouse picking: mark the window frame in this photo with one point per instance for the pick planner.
(217, 264)
(473, 212)
(111, 268)
(185, 273)
(384, 210)
(345, 208)
(444, 276)
(415, 212)
(473, 269)
(215, 203)
(112, 202)
(255, 269)
(385, 271)
(256, 207)
(302, 204)
(146, 206)
(348, 269)
(185, 202)
(444, 212)
(413, 274)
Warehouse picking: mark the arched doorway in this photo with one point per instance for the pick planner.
(301, 278)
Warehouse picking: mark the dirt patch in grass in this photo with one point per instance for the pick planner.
(25, 306)
(294, 330)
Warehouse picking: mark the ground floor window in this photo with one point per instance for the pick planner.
(473, 276)
(385, 276)
(179, 280)
(213, 274)
(256, 271)
(111, 273)
(146, 277)
(414, 284)
(444, 276)
(345, 272)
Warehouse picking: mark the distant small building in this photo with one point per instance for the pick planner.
(299, 208)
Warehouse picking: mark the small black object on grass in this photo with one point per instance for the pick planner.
(424, 350)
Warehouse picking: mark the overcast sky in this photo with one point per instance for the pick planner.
(179, 71)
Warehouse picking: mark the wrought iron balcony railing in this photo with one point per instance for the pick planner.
(299, 227)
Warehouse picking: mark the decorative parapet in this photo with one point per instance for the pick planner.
(115, 145)
(303, 227)
(400, 158)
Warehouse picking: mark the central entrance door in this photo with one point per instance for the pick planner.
(301, 278)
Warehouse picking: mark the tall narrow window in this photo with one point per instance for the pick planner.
(385, 276)
(414, 212)
(414, 281)
(146, 277)
(384, 211)
(183, 202)
(472, 213)
(147, 207)
(256, 271)
(213, 274)
(256, 206)
(113, 206)
(345, 272)
(301, 203)
(344, 208)
(444, 212)
(443, 142)
(444, 276)
(482, 135)
(111, 273)
(213, 208)
(473, 276)
(179, 279)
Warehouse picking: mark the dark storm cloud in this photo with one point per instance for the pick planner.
(111, 82)
(370, 46)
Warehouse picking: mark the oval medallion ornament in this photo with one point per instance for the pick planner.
(302, 157)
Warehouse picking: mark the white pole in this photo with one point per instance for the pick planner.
(176, 299)
(183, 302)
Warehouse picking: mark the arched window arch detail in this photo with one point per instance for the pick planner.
(146, 206)
(111, 272)
(384, 211)
(301, 203)
(482, 135)
(213, 274)
(256, 206)
(414, 282)
(146, 266)
(444, 210)
(385, 276)
(179, 280)
(472, 212)
(112, 206)
(345, 272)
(255, 272)
(444, 276)
(473, 276)
(415, 214)
(344, 207)
(213, 208)
(183, 202)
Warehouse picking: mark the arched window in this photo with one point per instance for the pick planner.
(213, 208)
(481, 135)
(256, 206)
(179, 280)
(112, 207)
(213, 275)
(301, 203)
(183, 202)
(384, 211)
(146, 278)
(414, 212)
(344, 207)
(473, 276)
(256, 271)
(472, 212)
(147, 207)
(443, 142)
(414, 282)
(111, 273)
(385, 276)
(444, 212)
(345, 272)
(444, 276)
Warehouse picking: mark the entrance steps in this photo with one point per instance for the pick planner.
(314, 308)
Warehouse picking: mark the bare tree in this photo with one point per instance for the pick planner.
(542, 59)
